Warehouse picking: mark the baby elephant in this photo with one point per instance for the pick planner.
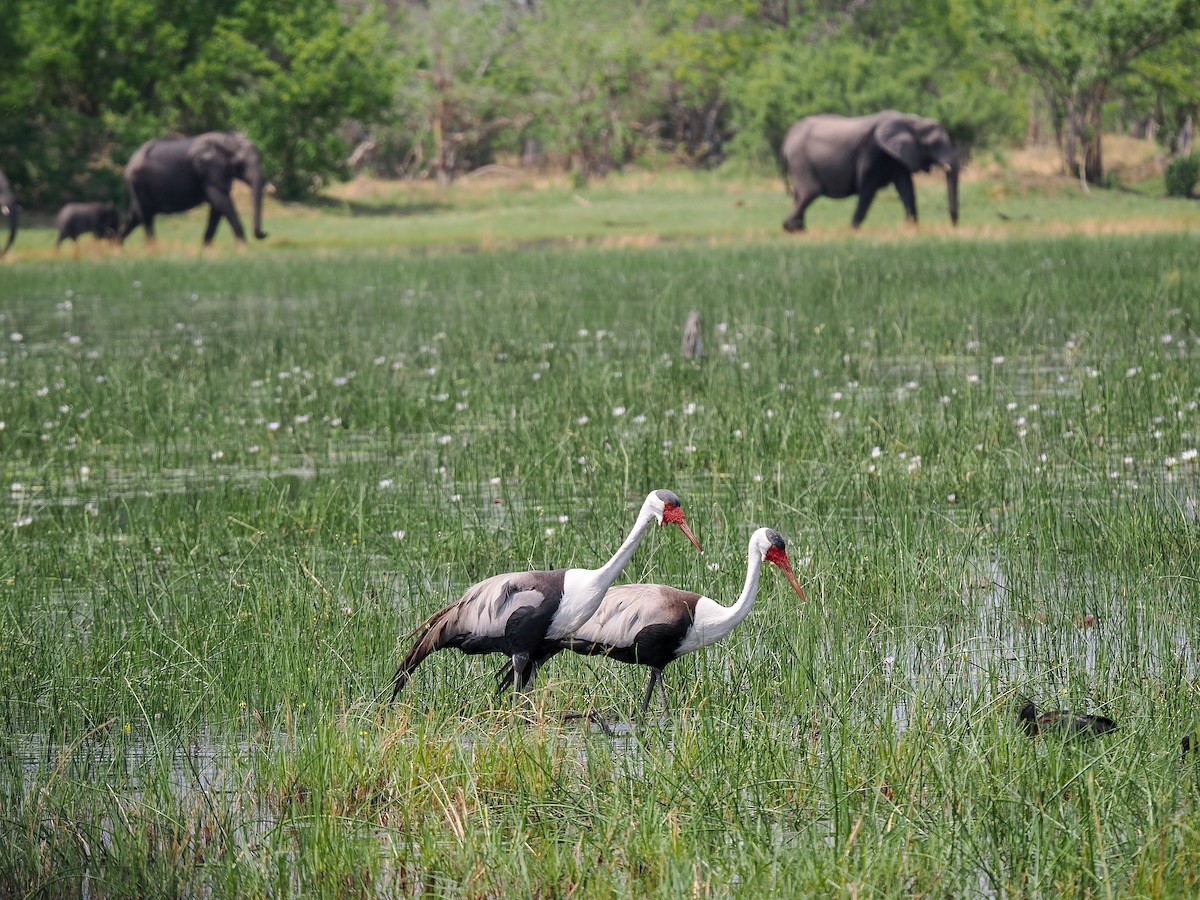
(75, 219)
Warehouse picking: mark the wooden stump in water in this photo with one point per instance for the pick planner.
(692, 342)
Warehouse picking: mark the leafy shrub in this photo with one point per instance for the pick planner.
(1182, 174)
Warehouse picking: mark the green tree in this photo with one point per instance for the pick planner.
(16, 92)
(924, 58)
(88, 82)
(1168, 82)
(594, 92)
(1077, 50)
(291, 75)
(706, 44)
(453, 103)
(98, 77)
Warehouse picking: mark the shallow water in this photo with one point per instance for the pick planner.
(997, 591)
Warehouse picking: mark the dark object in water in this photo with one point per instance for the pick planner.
(693, 343)
(1062, 722)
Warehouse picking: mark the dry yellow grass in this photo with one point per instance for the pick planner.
(1133, 159)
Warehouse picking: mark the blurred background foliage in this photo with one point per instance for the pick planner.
(438, 88)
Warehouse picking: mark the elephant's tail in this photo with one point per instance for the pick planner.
(781, 159)
(12, 227)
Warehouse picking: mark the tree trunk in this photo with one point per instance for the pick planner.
(1068, 157)
(439, 141)
(1093, 159)
(442, 155)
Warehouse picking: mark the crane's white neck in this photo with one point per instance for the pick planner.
(583, 589)
(714, 621)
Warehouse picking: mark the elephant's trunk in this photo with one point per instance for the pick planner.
(258, 185)
(12, 227)
(952, 191)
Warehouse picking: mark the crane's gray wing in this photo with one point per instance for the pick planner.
(628, 608)
(487, 609)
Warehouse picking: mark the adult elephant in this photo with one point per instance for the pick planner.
(837, 156)
(8, 207)
(178, 174)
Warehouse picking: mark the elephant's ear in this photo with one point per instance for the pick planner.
(212, 157)
(899, 142)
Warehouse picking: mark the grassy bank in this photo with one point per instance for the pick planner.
(509, 209)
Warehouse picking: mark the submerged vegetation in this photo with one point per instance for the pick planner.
(234, 484)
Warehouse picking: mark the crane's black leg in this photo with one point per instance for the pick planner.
(520, 671)
(662, 690)
(520, 680)
(655, 678)
(531, 674)
(504, 679)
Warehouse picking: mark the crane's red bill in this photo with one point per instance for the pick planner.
(683, 526)
(673, 515)
(794, 583)
(780, 558)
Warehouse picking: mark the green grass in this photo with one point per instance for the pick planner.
(639, 210)
(234, 482)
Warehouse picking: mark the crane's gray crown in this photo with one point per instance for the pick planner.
(776, 539)
(668, 498)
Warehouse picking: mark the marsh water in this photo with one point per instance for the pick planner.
(234, 488)
(1005, 630)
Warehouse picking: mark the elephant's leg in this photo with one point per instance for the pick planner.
(135, 219)
(866, 196)
(803, 198)
(222, 205)
(141, 212)
(214, 219)
(908, 195)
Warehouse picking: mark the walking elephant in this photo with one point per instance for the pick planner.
(8, 207)
(837, 156)
(74, 219)
(178, 174)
